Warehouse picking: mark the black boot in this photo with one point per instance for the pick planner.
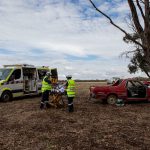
(41, 106)
(71, 108)
(48, 105)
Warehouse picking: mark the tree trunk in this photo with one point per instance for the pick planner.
(147, 31)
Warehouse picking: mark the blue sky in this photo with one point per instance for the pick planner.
(67, 34)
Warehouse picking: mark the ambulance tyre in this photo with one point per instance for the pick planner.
(6, 96)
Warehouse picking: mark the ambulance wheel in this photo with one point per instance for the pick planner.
(112, 99)
(6, 96)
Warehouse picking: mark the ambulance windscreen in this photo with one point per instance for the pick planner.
(4, 73)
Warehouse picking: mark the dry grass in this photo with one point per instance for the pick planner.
(93, 126)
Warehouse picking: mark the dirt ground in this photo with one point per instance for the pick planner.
(93, 125)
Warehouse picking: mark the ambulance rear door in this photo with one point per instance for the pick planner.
(54, 77)
(30, 80)
(41, 74)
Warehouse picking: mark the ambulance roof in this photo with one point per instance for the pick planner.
(45, 67)
(42, 67)
(19, 66)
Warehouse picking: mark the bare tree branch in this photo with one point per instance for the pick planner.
(131, 24)
(140, 8)
(141, 1)
(126, 53)
(111, 21)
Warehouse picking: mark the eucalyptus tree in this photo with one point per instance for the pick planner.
(140, 35)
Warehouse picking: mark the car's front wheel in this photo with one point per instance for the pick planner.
(6, 96)
(112, 99)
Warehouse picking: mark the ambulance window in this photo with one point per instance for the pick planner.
(41, 74)
(54, 73)
(17, 74)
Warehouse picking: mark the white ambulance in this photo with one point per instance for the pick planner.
(22, 79)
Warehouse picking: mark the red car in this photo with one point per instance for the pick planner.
(125, 89)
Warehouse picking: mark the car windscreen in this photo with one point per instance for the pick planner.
(4, 73)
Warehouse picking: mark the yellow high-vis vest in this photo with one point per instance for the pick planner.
(71, 88)
(45, 86)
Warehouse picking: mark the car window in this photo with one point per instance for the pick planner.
(130, 84)
(16, 74)
(136, 83)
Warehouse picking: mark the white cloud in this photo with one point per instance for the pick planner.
(43, 32)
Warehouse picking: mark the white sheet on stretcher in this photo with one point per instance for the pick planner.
(62, 90)
(59, 89)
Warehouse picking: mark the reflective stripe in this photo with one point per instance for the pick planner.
(71, 95)
(70, 104)
(18, 94)
(46, 101)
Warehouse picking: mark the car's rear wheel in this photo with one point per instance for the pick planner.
(112, 99)
(6, 96)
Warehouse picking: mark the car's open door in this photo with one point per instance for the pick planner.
(136, 91)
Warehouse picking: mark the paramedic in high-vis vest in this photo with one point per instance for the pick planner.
(46, 88)
(70, 89)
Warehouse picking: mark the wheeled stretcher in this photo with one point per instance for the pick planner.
(56, 96)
